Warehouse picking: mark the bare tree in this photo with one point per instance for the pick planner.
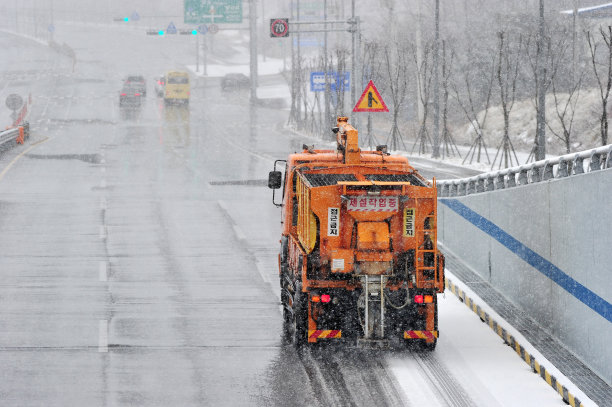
(604, 84)
(553, 57)
(424, 75)
(469, 108)
(448, 143)
(565, 109)
(507, 73)
(397, 80)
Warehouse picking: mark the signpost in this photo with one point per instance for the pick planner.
(337, 81)
(213, 11)
(370, 100)
(14, 102)
(213, 29)
(171, 28)
(279, 27)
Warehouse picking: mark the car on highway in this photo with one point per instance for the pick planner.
(159, 84)
(130, 96)
(176, 88)
(235, 81)
(138, 82)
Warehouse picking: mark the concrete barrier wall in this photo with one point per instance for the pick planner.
(547, 247)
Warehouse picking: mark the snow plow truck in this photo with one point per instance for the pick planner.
(358, 254)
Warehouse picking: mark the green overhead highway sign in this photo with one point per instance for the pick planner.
(213, 11)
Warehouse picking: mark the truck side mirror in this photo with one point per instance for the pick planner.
(275, 179)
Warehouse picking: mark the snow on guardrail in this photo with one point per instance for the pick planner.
(559, 167)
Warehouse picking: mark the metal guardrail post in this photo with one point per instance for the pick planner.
(480, 185)
(578, 165)
(499, 182)
(522, 179)
(548, 172)
(535, 174)
(562, 169)
(595, 164)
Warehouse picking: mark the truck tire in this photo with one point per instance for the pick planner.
(300, 317)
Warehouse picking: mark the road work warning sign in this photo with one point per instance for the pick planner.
(370, 100)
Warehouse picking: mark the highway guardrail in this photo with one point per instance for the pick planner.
(559, 167)
(14, 135)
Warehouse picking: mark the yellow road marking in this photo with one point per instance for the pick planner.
(8, 167)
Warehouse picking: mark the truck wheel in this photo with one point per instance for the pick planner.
(300, 317)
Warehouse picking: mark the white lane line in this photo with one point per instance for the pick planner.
(103, 169)
(103, 272)
(103, 203)
(102, 232)
(103, 183)
(239, 234)
(103, 336)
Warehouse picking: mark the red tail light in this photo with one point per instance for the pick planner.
(418, 299)
(325, 298)
(124, 94)
(136, 94)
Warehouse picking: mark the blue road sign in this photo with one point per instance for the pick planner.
(202, 29)
(171, 28)
(51, 28)
(307, 42)
(337, 81)
(135, 16)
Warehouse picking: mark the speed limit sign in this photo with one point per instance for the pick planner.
(279, 27)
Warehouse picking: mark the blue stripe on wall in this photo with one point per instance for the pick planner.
(583, 294)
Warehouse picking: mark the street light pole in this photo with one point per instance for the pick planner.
(253, 48)
(436, 90)
(540, 152)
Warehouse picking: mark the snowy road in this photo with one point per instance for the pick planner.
(138, 258)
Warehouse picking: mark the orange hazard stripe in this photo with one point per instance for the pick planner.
(324, 333)
(420, 334)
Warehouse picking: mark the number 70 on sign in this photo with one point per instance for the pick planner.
(279, 27)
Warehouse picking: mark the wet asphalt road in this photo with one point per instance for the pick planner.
(138, 257)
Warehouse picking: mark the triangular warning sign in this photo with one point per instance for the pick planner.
(370, 100)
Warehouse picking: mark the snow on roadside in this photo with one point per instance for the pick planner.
(475, 357)
(561, 378)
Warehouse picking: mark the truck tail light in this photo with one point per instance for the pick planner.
(418, 299)
(315, 298)
(325, 298)
(428, 299)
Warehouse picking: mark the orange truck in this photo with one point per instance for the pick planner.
(358, 258)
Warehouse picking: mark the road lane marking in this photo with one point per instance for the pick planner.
(103, 336)
(8, 167)
(103, 183)
(103, 271)
(103, 203)
(102, 232)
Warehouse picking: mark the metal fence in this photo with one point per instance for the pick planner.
(10, 137)
(559, 167)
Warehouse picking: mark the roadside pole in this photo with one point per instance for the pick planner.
(253, 48)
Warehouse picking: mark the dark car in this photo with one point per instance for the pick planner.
(233, 81)
(130, 95)
(138, 82)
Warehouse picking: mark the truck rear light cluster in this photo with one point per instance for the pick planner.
(321, 298)
(423, 299)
